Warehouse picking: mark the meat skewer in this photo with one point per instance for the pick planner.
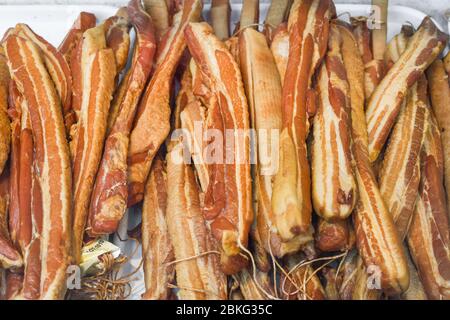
(159, 12)
(220, 18)
(249, 14)
(278, 12)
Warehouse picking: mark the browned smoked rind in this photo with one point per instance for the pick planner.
(153, 115)
(385, 103)
(280, 49)
(439, 86)
(259, 69)
(428, 237)
(400, 169)
(84, 21)
(110, 193)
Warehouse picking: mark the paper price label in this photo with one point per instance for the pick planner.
(92, 251)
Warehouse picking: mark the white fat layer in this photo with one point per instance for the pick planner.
(323, 180)
(309, 29)
(395, 83)
(406, 122)
(373, 226)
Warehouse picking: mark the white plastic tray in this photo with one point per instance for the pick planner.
(53, 21)
(50, 21)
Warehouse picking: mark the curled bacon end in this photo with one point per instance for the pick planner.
(117, 36)
(9, 256)
(334, 236)
(84, 21)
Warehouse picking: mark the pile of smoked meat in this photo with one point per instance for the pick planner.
(304, 158)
